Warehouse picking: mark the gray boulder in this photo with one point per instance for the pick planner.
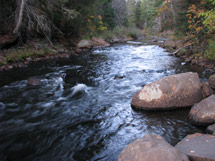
(176, 91)
(198, 147)
(151, 148)
(203, 113)
(211, 81)
(211, 129)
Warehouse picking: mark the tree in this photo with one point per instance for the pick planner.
(138, 14)
(108, 16)
(131, 5)
(120, 11)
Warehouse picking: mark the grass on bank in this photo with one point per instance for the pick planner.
(210, 51)
(19, 55)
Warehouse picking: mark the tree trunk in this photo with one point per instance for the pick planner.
(173, 13)
(19, 17)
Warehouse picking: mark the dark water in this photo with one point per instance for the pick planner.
(82, 111)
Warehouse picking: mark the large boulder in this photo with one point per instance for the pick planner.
(151, 148)
(99, 42)
(85, 44)
(203, 113)
(211, 129)
(176, 91)
(198, 147)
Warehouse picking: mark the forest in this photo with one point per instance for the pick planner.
(59, 21)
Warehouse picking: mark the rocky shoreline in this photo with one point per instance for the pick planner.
(160, 94)
(173, 92)
(78, 48)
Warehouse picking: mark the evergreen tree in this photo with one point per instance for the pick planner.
(138, 14)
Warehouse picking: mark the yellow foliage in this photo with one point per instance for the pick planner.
(199, 29)
(99, 17)
(102, 28)
(190, 26)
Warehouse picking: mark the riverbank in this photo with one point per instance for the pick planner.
(39, 51)
(22, 56)
(189, 53)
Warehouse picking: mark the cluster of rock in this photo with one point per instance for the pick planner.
(99, 42)
(196, 147)
(173, 92)
(94, 42)
(180, 91)
(151, 148)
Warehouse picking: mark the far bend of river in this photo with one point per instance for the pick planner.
(82, 111)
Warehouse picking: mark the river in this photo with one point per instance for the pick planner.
(82, 111)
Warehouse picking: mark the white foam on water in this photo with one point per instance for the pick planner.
(79, 88)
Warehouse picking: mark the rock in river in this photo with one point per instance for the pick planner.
(176, 91)
(198, 147)
(203, 113)
(211, 129)
(34, 81)
(151, 148)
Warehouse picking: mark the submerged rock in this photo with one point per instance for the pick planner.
(151, 148)
(176, 91)
(198, 147)
(203, 113)
(34, 81)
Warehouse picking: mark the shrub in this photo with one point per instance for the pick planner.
(210, 52)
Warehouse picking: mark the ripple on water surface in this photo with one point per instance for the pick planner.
(82, 111)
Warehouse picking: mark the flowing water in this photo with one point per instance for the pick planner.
(82, 109)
